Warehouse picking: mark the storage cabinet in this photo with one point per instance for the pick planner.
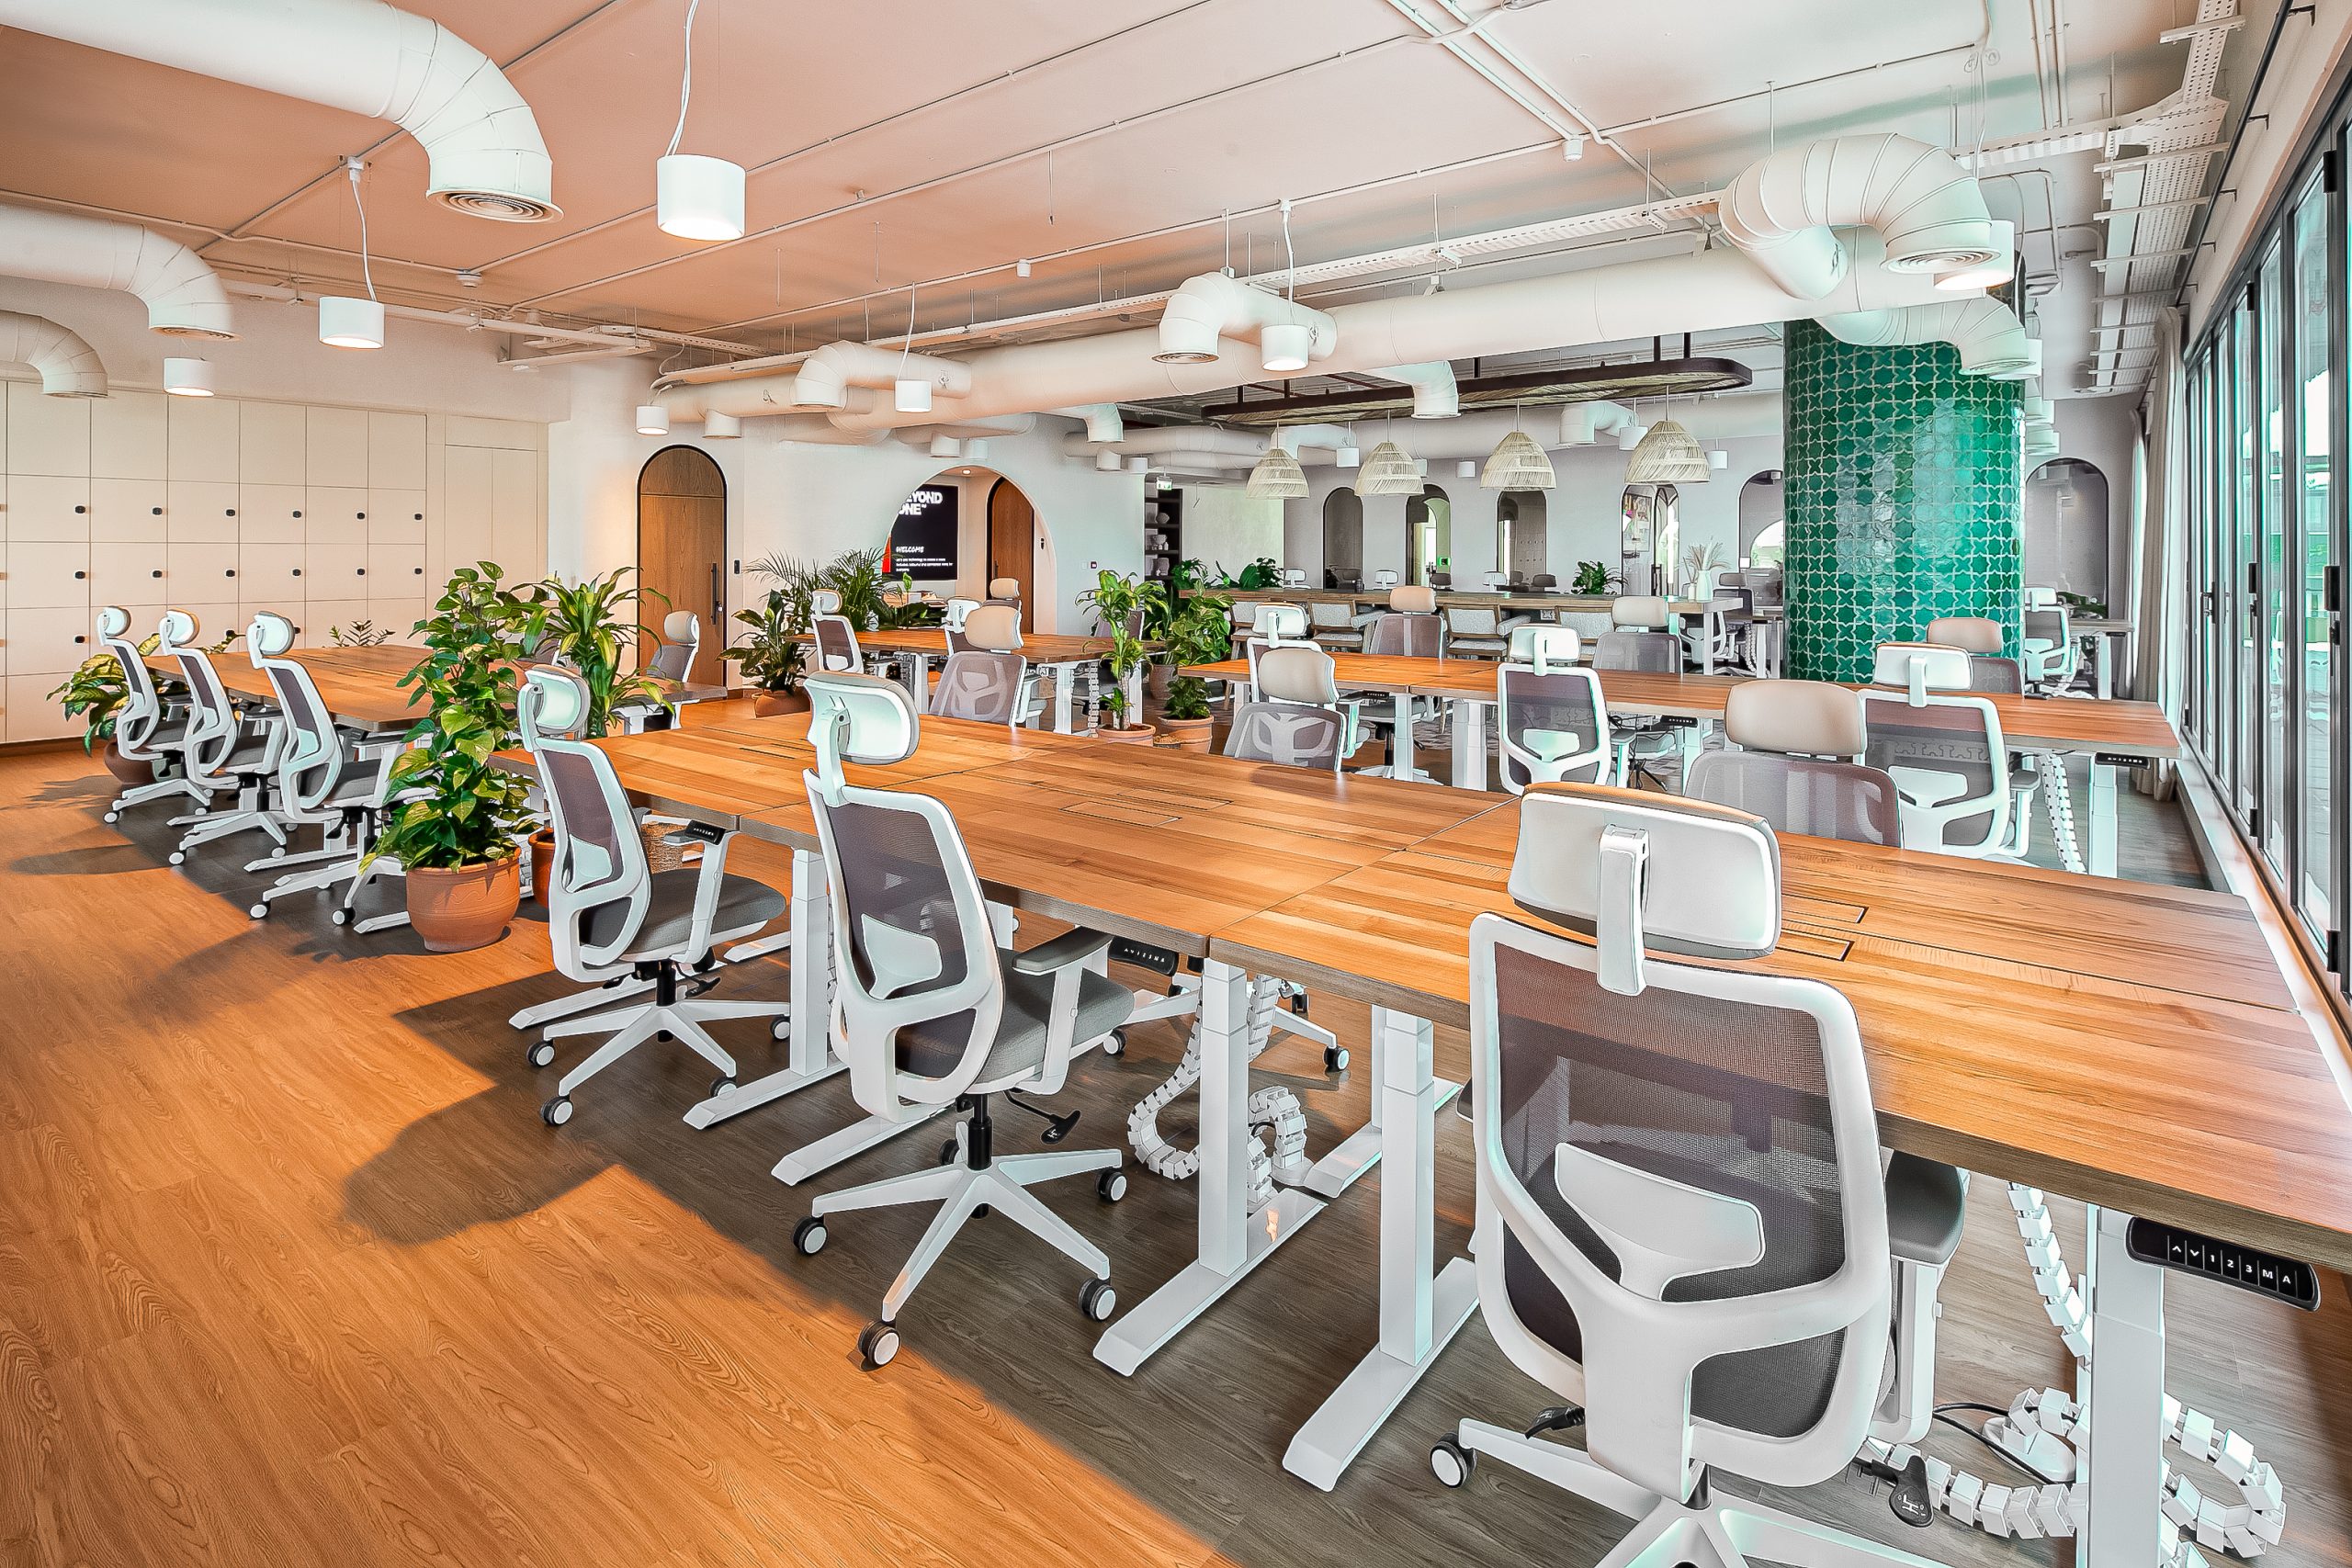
(48, 576)
(272, 513)
(337, 516)
(127, 435)
(48, 435)
(127, 510)
(47, 508)
(30, 715)
(203, 572)
(273, 444)
(272, 575)
(202, 440)
(128, 572)
(335, 571)
(200, 512)
(395, 516)
(396, 451)
(338, 448)
(48, 641)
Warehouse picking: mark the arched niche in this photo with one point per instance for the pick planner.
(1522, 543)
(965, 528)
(1428, 534)
(1762, 506)
(2066, 528)
(1343, 539)
(680, 541)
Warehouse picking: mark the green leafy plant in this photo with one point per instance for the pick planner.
(1199, 633)
(94, 693)
(770, 655)
(2083, 604)
(587, 625)
(856, 576)
(1263, 572)
(1115, 598)
(360, 634)
(470, 811)
(1593, 578)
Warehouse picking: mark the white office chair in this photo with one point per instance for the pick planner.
(1941, 742)
(1277, 621)
(224, 748)
(1384, 577)
(1638, 640)
(837, 650)
(2052, 657)
(147, 727)
(681, 641)
(609, 915)
(989, 678)
(1294, 577)
(1295, 715)
(1682, 1225)
(1005, 591)
(951, 618)
(1795, 764)
(1337, 625)
(1552, 716)
(1496, 582)
(928, 1010)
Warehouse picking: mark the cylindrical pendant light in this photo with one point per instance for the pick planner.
(346, 323)
(716, 426)
(698, 198)
(1351, 456)
(652, 419)
(188, 377)
(1284, 347)
(911, 394)
(1467, 468)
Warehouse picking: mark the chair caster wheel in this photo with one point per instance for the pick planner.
(556, 1112)
(877, 1345)
(1116, 1042)
(113, 816)
(1098, 1301)
(540, 1053)
(663, 1034)
(780, 1029)
(1452, 1463)
(179, 857)
(1335, 1057)
(808, 1236)
(1111, 1186)
(278, 853)
(721, 1086)
(259, 911)
(341, 917)
(947, 1152)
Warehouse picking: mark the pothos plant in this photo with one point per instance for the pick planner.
(587, 625)
(94, 693)
(1199, 633)
(1114, 598)
(469, 812)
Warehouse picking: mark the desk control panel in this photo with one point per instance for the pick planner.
(2264, 1273)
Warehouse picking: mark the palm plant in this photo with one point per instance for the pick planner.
(772, 653)
(1200, 633)
(856, 576)
(587, 626)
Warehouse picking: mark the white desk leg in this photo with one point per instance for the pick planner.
(1132, 686)
(1418, 1314)
(1360, 1150)
(1233, 1239)
(810, 1058)
(2102, 845)
(2103, 661)
(1469, 744)
(1400, 748)
(919, 679)
(1063, 680)
(2123, 1469)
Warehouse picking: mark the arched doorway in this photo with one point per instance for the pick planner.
(681, 540)
(1343, 539)
(1013, 544)
(1521, 546)
(1762, 505)
(2066, 514)
(1429, 534)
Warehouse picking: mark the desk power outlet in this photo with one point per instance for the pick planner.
(2264, 1273)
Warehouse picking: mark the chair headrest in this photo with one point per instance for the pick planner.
(1497, 580)
(1974, 634)
(825, 602)
(958, 609)
(554, 705)
(1920, 667)
(993, 628)
(177, 628)
(1384, 579)
(1634, 869)
(1809, 718)
(1294, 576)
(1647, 613)
(270, 636)
(1004, 588)
(113, 620)
(1279, 618)
(859, 718)
(682, 626)
(1407, 600)
(1539, 645)
(1296, 672)
(2042, 598)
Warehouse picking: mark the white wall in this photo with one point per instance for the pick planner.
(1225, 526)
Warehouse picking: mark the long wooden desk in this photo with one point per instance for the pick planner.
(1065, 655)
(1520, 600)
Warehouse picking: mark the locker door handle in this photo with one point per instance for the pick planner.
(416, 570)
(231, 572)
(154, 511)
(79, 638)
(80, 575)
(297, 512)
(77, 512)
(157, 572)
(297, 571)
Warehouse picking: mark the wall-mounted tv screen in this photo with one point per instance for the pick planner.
(922, 541)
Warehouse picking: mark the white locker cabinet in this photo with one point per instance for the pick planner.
(51, 641)
(272, 513)
(395, 571)
(272, 573)
(45, 508)
(273, 443)
(202, 573)
(127, 510)
(337, 516)
(214, 620)
(398, 616)
(32, 714)
(48, 576)
(335, 571)
(396, 451)
(395, 516)
(202, 436)
(127, 435)
(338, 448)
(319, 617)
(200, 512)
(128, 572)
(48, 435)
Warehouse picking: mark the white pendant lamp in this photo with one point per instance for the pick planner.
(911, 394)
(1139, 465)
(716, 426)
(1718, 459)
(1351, 455)
(1667, 455)
(1466, 468)
(946, 446)
(1277, 476)
(188, 377)
(1518, 463)
(1631, 437)
(1284, 345)
(344, 320)
(1387, 471)
(696, 198)
(652, 419)
(1108, 462)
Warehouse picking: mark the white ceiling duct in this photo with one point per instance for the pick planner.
(825, 377)
(486, 157)
(1212, 306)
(1991, 340)
(1783, 209)
(68, 367)
(1103, 420)
(969, 430)
(1435, 395)
(1552, 426)
(182, 295)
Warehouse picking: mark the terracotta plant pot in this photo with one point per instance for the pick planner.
(453, 908)
(1186, 734)
(128, 771)
(767, 704)
(1139, 735)
(542, 864)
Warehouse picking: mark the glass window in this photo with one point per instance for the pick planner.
(2277, 585)
(2315, 306)
(2246, 540)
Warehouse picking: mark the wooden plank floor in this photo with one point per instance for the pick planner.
(291, 1273)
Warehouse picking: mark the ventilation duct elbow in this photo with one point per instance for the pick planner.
(1435, 395)
(1212, 306)
(1104, 424)
(1991, 340)
(483, 147)
(68, 367)
(182, 295)
(825, 377)
(1783, 209)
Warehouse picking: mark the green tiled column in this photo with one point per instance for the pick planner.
(1901, 498)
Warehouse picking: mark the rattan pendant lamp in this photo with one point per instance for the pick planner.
(1518, 463)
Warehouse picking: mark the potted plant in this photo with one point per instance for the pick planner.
(770, 654)
(586, 626)
(1114, 598)
(1594, 580)
(1200, 633)
(94, 693)
(454, 840)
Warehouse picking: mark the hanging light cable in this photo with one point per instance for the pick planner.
(696, 198)
(345, 320)
(910, 394)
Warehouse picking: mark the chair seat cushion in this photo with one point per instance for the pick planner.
(932, 1048)
(744, 904)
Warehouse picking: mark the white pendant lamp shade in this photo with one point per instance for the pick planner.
(1466, 468)
(1718, 459)
(946, 446)
(1139, 465)
(188, 377)
(1631, 437)
(1991, 272)
(716, 426)
(1518, 463)
(1351, 456)
(698, 198)
(1667, 455)
(652, 419)
(1108, 462)
(1387, 471)
(1277, 477)
(346, 323)
(1285, 346)
(911, 394)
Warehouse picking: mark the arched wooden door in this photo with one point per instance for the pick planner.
(682, 541)
(1012, 543)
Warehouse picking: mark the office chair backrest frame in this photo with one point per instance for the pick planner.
(1294, 717)
(681, 642)
(1562, 699)
(1796, 763)
(837, 648)
(981, 685)
(311, 759)
(143, 704)
(599, 853)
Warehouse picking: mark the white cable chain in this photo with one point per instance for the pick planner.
(2041, 1419)
(1274, 1108)
(2058, 799)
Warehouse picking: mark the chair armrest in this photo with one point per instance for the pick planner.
(1073, 946)
(1927, 1202)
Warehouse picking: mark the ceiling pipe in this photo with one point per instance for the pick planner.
(1103, 420)
(826, 377)
(182, 296)
(1785, 210)
(68, 367)
(1435, 395)
(1991, 340)
(1553, 426)
(968, 430)
(1212, 306)
(483, 149)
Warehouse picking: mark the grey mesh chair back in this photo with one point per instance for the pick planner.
(980, 685)
(599, 854)
(1677, 1168)
(1655, 653)
(143, 705)
(1543, 583)
(1943, 746)
(1332, 617)
(837, 648)
(2048, 624)
(680, 641)
(1406, 636)
(212, 726)
(1736, 605)
(309, 763)
(1996, 676)
(1554, 726)
(1295, 718)
(1794, 767)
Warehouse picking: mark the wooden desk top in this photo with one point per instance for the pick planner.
(2053, 724)
(2093, 1067)
(1038, 648)
(361, 685)
(1447, 599)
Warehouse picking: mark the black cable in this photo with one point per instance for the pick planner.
(1972, 1404)
(1957, 1425)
